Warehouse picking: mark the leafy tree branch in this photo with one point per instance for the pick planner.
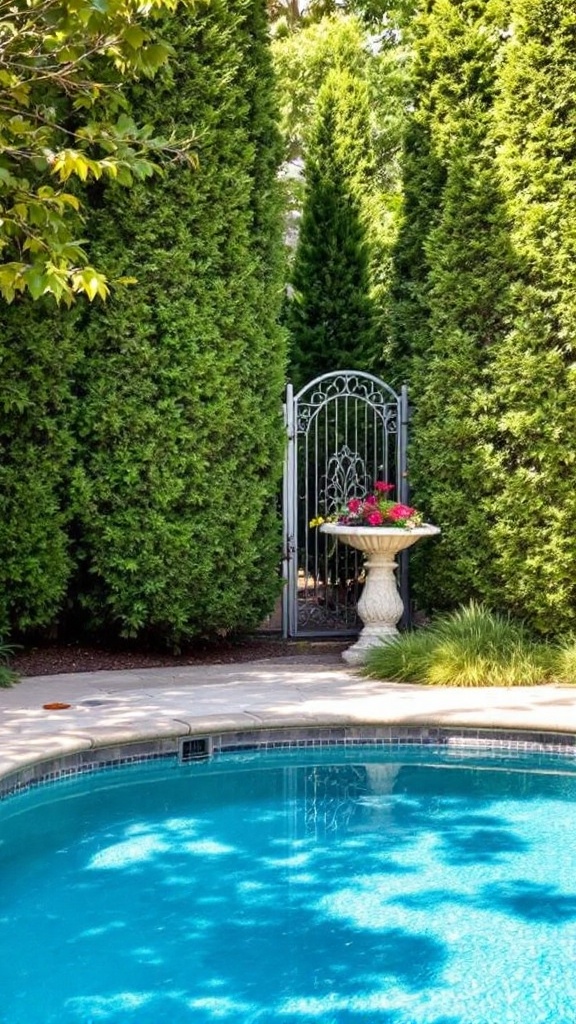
(63, 118)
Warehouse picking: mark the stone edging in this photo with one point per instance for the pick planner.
(498, 742)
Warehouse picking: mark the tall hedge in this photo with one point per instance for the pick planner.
(39, 351)
(423, 178)
(458, 300)
(534, 394)
(330, 316)
(180, 419)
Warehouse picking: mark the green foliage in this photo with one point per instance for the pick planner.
(331, 313)
(455, 51)
(292, 15)
(180, 420)
(342, 42)
(304, 59)
(7, 675)
(63, 117)
(485, 314)
(423, 177)
(468, 647)
(455, 269)
(533, 401)
(564, 660)
(39, 351)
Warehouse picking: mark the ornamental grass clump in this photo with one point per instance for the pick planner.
(469, 647)
(7, 675)
(564, 660)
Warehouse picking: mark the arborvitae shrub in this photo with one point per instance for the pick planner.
(38, 352)
(330, 316)
(423, 178)
(534, 392)
(181, 417)
(455, 302)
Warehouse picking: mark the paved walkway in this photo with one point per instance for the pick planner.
(109, 708)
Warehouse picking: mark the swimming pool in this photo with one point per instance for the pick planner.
(395, 886)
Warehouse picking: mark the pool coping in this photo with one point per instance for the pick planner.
(120, 717)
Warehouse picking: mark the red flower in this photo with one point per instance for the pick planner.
(375, 519)
(370, 500)
(354, 505)
(400, 512)
(383, 487)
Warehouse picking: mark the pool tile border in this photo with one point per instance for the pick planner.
(495, 742)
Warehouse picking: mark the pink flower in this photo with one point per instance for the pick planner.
(375, 518)
(378, 509)
(400, 512)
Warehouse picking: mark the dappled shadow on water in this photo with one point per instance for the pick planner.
(331, 894)
(484, 845)
(532, 901)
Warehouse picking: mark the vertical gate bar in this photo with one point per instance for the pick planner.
(354, 555)
(295, 531)
(365, 453)
(336, 406)
(346, 550)
(403, 420)
(356, 494)
(368, 454)
(338, 549)
(404, 496)
(325, 538)
(317, 511)
(305, 522)
(335, 586)
(381, 435)
(288, 509)
(374, 446)
(385, 447)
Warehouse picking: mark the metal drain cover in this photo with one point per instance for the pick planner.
(96, 702)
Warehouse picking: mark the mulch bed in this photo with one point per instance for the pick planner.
(53, 659)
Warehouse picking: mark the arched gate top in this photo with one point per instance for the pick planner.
(345, 430)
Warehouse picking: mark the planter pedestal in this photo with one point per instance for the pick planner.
(380, 606)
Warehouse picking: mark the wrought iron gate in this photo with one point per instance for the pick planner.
(345, 431)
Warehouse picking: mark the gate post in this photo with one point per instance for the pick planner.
(288, 498)
(404, 497)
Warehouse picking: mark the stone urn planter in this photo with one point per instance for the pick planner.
(380, 606)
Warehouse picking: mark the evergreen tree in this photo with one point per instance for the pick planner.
(304, 58)
(39, 351)
(423, 178)
(534, 393)
(330, 316)
(462, 303)
(180, 417)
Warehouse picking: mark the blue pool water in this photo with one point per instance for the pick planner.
(396, 887)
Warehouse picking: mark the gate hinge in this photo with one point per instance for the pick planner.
(290, 548)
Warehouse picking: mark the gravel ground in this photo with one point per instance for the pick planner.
(53, 659)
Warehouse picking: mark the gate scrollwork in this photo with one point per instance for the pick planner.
(346, 430)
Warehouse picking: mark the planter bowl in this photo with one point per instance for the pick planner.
(380, 606)
(379, 539)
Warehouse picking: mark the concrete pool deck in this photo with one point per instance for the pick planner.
(114, 709)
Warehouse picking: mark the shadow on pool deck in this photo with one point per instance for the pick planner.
(122, 707)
